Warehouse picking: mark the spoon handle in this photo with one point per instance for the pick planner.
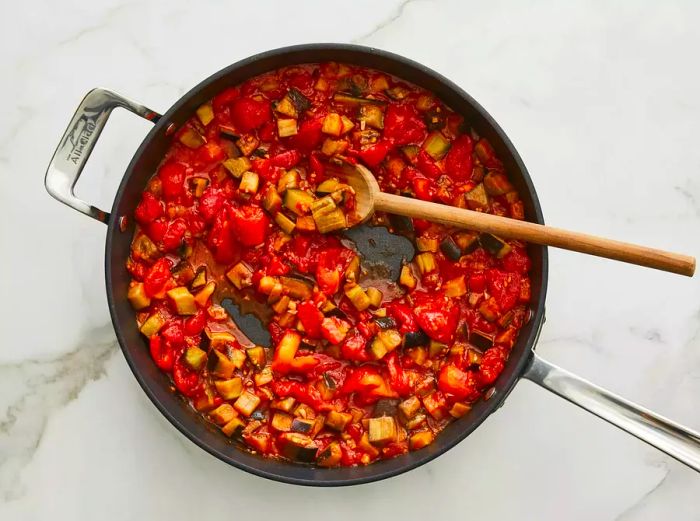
(507, 228)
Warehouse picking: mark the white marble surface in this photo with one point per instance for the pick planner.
(600, 99)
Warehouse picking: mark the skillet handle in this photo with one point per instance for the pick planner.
(77, 143)
(675, 440)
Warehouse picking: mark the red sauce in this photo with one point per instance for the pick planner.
(359, 368)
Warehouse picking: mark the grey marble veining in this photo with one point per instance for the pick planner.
(599, 98)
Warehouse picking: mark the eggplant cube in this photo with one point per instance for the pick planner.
(247, 403)
(382, 430)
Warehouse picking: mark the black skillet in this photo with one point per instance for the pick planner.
(75, 147)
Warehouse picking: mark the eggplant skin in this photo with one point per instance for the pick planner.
(415, 339)
(385, 322)
(386, 407)
(450, 249)
(480, 339)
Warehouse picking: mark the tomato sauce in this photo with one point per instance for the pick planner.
(246, 205)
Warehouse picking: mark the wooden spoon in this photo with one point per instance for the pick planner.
(370, 199)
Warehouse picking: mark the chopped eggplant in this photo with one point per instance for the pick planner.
(183, 300)
(467, 241)
(400, 223)
(456, 287)
(420, 440)
(264, 377)
(407, 279)
(338, 420)
(349, 99)
(366, 137)
(286, 127)
(229, 389)
(328, 186)
(285, 404)
(202, 296)
(247, 144)
(332, 124)
(301, 103)
(330, 456)
(137, 296)
(437, 348)
(327, 215)
(290, 179)
(238, 166)
(378, 349)
(477, 198)
(459, 409)
(286, 107)
(424, 243)
(375, 297)
(282, 422)
(386, 407)
(223, 414)
(249, 183)
(257, 356)
(435, 119)
(372, 116)
(145, 248)
(332, 147)
(391, 338)
(496, 183)
(298, 201)
(198, 185)
(410, 152)
(397, 93)
(348, 125)
(494, 245)
(228, 133)
(410, 407)
(352, 272)
(246, 403)
(426, 263)
(205, 114)
(415, 422)
(297, 288)
(241, 275)
(220, 365)
(285, 223)
(481, 340)
(195, 358)
(489, 309)
(234, 427)
(450, 249)
(272, 201)
(385, 322)
(306, 223)
(191, 138)
(303, 425)
(382, 430)
(358, 297)
(298, 447)
(436, 145)
(415, 338)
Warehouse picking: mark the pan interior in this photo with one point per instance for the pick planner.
(145, 161)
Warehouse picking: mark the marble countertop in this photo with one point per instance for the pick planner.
(600, 99)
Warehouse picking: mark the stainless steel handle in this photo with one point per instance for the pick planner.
(77, 143)
(675, 440)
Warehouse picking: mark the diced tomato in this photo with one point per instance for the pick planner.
(517, 261)
(222, 100)
(437, 315)
(250, 224)
(504, 287)
(492, 364)
(369, 385)
(303, 364)
(302, 392)
(210, 203)
(427, 166)
(149, 209)
(286, 159)
(174, 234)
(398, 378)
(309, 135)
(403, 315)
(172, 176)
(311, 318)
(355, 347)
(157, 277)
(210, 153)
(186, 380)
(248, 114)
(221, 241)
(375, 154)
(459, 162)
(477, 282)
(162, 353)
(334, 329)
(332, 263)
(403, 125)
(424, 188)
(460, 384)
(317, 166)
(173, 333)
(195, 324)
(487, 155)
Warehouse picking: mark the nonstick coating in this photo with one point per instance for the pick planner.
(157, 385)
